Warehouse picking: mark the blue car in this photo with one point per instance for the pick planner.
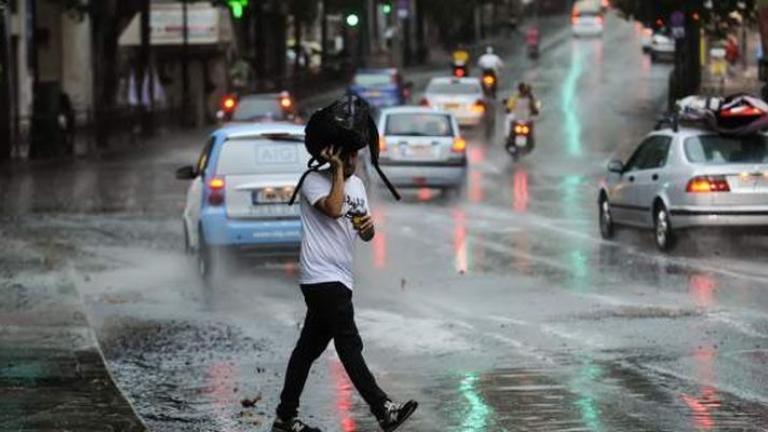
(239, 190)
(381, 87)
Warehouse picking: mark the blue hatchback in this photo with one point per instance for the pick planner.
(381, 87)
(240, 188)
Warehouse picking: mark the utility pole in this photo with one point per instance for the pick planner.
(146, 107)
(185, 100)
(5, 82)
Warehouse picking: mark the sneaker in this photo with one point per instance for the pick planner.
(395, 414)
(292, 425)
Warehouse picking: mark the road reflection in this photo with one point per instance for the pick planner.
(583, 385)
(569, 105)
(707, 400)
(343, 403)
(460, 241)
(520, 197)
(477, 414)
(702, 288)
(380, 240)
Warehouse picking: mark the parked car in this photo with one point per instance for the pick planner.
(662, 46)
(687, 178)
(422, 147)
(239, 188)
(381, 87)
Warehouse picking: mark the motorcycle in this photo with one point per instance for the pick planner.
(520, 141)
(532, 41)
(490, 83)
(460, 70)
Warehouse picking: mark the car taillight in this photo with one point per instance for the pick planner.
(478, 107)
(382, 144)
(216, 191)
(228, 103)
(575, 18)
(459, 145)
(600, 19)
(286, 103)
(707, 184)
(522, 129)
(424, 102)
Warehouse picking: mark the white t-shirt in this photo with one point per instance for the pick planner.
(490, 61)
(328, 245)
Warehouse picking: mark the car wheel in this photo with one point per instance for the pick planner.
(665, 237)
(606, 219)
(207, 261)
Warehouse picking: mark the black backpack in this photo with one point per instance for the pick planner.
(345, 123)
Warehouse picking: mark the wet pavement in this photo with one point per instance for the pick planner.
(499, 309)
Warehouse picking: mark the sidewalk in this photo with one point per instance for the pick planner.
(52, 374)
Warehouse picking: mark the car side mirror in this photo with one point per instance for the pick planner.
(186, 173)
(616, 166)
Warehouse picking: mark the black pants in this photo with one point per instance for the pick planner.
(330, 315)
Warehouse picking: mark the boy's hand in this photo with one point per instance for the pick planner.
(366, 227)
(333, 156)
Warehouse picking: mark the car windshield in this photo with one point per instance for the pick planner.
(721, 150)
(419, 125)
(262, 156)
(367, 80)
(454, 88)
(249, 109)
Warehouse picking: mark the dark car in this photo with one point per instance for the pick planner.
(381, 87)
(259, 108)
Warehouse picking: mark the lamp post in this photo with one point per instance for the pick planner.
(185, 102)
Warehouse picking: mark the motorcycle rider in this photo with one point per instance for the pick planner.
(521, 106)
(490, 61)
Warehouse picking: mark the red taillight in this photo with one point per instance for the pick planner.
(286, 103)
(707, 184)
(459, 145)
(600, 19)
(228, 103)
(382, 144)
(424, 102)
(216, 191)
(575, 18)
(742, 112)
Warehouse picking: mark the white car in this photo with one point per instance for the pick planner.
(587, 18)
(462, 97)
(422, 147)
(662, 47)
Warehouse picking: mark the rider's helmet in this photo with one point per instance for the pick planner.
(489, 50)
(523, 88)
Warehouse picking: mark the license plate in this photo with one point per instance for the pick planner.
(521, 140)
(451, 106)
(373, 94)
(271, 196)
(420, 151)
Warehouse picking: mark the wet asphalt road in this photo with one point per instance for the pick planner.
(499, 309)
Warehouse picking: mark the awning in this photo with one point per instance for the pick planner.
(207, 25)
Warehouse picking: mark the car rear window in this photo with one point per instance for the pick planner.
(454, 88)
(252, 109)
(720, 150)
(419, 125)
(367, 80)
(261, 156)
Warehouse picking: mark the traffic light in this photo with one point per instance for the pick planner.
(386, 7)
(352, 20)
(237, 7)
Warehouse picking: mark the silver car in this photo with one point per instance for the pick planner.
(422, 147)
(685, 179)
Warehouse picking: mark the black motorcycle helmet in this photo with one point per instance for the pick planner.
(346, 124)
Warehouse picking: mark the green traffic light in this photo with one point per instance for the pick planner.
(353, 20)
(386, 8)
(237, 7)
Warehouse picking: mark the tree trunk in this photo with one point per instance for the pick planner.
(5, 85)
(104, 30)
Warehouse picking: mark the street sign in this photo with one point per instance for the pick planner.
(677, 21)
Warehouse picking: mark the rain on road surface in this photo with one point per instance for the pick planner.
(500, 309)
